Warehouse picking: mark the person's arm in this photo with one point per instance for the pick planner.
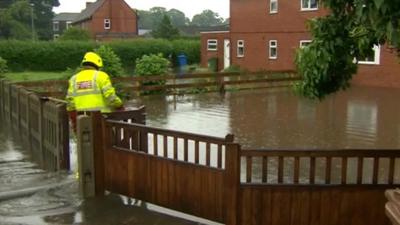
(70, 95)
(109, 92)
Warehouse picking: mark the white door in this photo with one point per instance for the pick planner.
(227, 53)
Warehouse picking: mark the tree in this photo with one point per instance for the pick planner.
(207, 18)
(75, 33)
(349, 32)
(16, 17)
(165, 29)
(15, 21)
(43, 10)
(178, 18)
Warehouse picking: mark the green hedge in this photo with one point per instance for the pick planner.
(60, 55)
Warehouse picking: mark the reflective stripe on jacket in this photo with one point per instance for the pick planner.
(91, 90)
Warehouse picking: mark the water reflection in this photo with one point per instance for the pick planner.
(360, 117)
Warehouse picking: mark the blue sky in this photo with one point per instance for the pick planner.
(189, 7)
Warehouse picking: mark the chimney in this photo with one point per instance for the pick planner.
(88, 3)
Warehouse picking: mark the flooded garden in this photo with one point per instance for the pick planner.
(259, 119)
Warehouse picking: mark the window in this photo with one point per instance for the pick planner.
(309, 5)
(240, 48)
(304, 43)
(273, 6)
(68, 24)
(212, 45)
(107, 24)
(273, 49)
(56, 26)
(374, 58)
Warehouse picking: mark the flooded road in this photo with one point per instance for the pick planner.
(358, 118)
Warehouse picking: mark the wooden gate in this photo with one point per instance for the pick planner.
(42, 126)
(178, 170)
(213, 178)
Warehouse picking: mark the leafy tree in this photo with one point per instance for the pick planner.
(207, 18)
(43, 11)
(349, 32)
(178, 18)
(15, 21)
(145, 20)
(75, 33)
(165, 29)
(16, 18)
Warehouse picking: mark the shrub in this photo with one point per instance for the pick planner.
(152, 65)
(76, 34)
(3, 66)
(111, 62)
(60, 55)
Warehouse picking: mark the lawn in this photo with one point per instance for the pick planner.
(36, 76)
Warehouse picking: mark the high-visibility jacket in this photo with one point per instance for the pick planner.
(91, 90)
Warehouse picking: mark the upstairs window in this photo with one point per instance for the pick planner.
(273, 6)
(273, 49)
(304, 43)
(309, 5)
(240, 48)
(374, 58)
(212, 45)
(56, 26)
(107, 24)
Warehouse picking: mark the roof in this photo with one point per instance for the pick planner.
(65, 16)
(89, 11)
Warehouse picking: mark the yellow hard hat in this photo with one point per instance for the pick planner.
(91, 57)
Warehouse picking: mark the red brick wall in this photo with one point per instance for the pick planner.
(252, 22)
(206, 55)
(123, 18)
(387, 74)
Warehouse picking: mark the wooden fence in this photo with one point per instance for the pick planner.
(213, 178)
(42, 125)
(180, 83)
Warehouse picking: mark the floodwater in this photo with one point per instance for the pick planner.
(360, 117)
(260, 119)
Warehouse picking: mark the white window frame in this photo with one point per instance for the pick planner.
(68, 24)
(212, 44)
(377, 57)
(107, 24)
(272, 11)
(304, 43)
(240, 45)
(273, 44)
(56, 26)
(308, 8)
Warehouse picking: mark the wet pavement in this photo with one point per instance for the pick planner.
(358, 118)
(31, 196)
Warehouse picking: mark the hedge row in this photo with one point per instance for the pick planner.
(60, 55)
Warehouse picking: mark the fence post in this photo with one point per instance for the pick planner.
(85, 156)
(63, 124)
(232, 183)
(101, 142)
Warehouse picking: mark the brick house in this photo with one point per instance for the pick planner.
(61, 22)
(264, 35)
(108, 19)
